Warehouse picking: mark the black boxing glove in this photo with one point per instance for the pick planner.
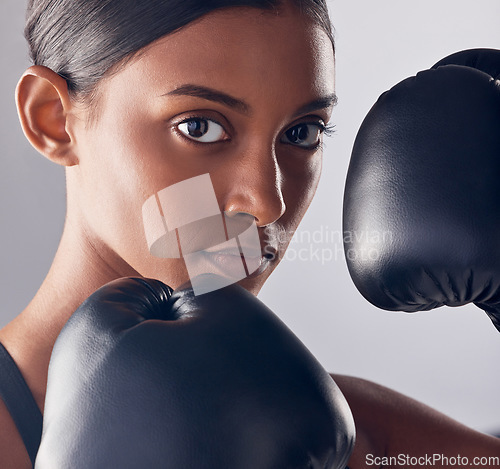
(422, 196)
(143, 378)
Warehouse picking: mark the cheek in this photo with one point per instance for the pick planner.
(116, 177)
(119, 169)
(299, 188)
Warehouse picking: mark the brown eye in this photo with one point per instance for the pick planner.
(202, 130)
(303, 135)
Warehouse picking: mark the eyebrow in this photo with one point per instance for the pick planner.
(237, 104)
(318, 104)
(210, 95)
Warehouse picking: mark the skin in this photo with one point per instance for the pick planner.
(130, 146)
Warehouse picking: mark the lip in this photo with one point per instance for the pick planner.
(249, 251)
(263, 266)
(228, 264)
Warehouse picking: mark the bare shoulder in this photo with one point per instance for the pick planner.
(13, 453)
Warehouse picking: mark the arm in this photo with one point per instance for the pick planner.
(391, 424)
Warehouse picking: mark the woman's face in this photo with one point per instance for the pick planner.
(240, 94)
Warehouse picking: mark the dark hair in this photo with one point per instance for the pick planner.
(82, 40)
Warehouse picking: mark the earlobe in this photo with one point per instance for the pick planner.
(43, 105)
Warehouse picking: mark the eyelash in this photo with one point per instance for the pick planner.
(326, 129)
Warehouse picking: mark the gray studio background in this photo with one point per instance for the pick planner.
(447, 358)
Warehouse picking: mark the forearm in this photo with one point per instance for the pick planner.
(393, 425)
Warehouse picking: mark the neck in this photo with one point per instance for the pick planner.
(80, 267)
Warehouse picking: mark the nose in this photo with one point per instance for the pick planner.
(254, 185)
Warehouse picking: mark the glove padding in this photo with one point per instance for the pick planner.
(143, 378)
(421, 203)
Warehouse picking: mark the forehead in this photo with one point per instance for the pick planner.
(243, 51)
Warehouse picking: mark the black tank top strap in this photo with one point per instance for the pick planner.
(20, 402)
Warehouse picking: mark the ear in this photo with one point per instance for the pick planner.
(43, 104)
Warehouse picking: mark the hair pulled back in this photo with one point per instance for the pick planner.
(82, 40)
